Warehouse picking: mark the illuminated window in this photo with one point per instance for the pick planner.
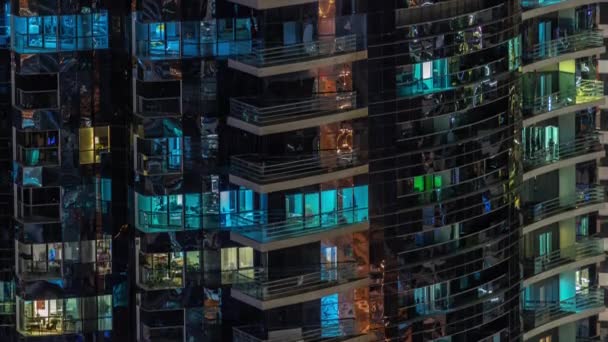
(93, 142)
(162, 270)
(60, 316)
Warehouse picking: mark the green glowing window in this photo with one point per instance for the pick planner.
(427, 182)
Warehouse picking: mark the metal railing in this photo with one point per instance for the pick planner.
(267, 169)
(529, 4)
(586, 144)
(262, 231)
(39, 99)
(261, 285)
(170, 105)
(38, 156)
(586, 91)
(161, 278)
(329, 332)
(554, 206)
(38, 212)
(580, 250)
(553, 48)
(291, 110)
(159, 164)
(542, 312)
(294, 53)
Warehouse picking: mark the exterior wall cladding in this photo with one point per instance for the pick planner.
(302, 170)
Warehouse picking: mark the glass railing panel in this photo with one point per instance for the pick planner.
(38, 156)
(38, 212)
(329, 330)
(543, 210)
(264, 286)
(530, 4)
(161, 278)
(268, 169)
(262, 231)
(265, 113)
(40, 99)
(553, 48)
(262, 56)
(544, 156)
(537, 313)
(578, 251)
(586, 91)
(170, 105)
(159, 164)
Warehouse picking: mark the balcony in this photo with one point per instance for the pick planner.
(588, 93)
(262, 117)
(159, 165)
(159, 107)
(535, 8)
(39, 99)
(264, 236)
(540, 316)
(333, 331)
(580, 254)
(544, 160)
(272, 61)
(38, 213)
(37, 156)
(586, 43)
(268, 4)
(560, 208)
(265, 174)
(266, 291)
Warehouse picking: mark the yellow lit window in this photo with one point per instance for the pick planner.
(93, 142)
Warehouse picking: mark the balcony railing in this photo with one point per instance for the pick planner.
(537, 313)
(331, 331)
(264, 169)
(48, 212)
(161, 278)
(560, 46)
(40, 99)
(294, 53)
(529, 4)
(554, 206)
(159, 164)
(264, 286)
(158, 106)
(38, 156)
(260, 230)
(578, 251)
(586, 144)
(291, 110)
(586, 91)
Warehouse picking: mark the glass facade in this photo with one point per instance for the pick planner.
(344, 170)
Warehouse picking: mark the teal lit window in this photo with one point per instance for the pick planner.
(87, 31)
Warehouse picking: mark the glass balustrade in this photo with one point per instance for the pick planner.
(537, 313)
(38, 156)
(260, 230)
(336, 330)
(585, 91)
(263, 285)
(265, 169)
(556, 47)
(540, 156)
(262, 112)
(578, 251)
(554, 206)
(39, 99)
(264, 56)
